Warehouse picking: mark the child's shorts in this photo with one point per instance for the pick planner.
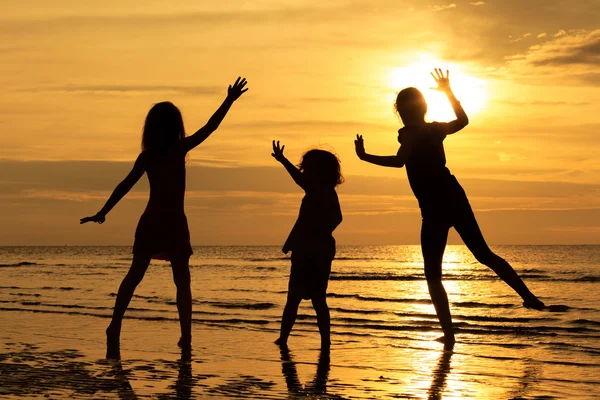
(309, 274)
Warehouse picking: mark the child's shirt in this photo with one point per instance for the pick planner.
(320, 214)
(429, 178)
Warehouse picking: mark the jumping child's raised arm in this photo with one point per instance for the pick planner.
(291, 168)
(120, 191)
(461, 120)
(233, 93)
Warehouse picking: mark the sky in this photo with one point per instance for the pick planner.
(77, 79)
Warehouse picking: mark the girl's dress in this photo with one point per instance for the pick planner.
(163, 229)
(312, 243)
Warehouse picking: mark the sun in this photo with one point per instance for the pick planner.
(470, 91)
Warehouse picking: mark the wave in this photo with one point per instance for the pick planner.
(379, 299)
(238, 305)
(20, 264)
(586, 322)
(338, 276)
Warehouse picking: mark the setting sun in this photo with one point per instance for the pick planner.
(469, 90)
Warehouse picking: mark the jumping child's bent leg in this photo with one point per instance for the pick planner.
(469, 231)
(288, 318)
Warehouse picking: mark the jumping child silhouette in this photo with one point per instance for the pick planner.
(311, 241)
(162, 232)
(442, 200)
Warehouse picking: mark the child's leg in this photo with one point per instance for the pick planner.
(323, 319)
(433, 242)
(289, 317)
(469, 231)
(138, 268)
(181, 276)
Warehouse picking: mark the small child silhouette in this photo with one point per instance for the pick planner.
(442, 200)
(311, 241)
(162, 232)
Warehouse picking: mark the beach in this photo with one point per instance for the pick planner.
(55, 303)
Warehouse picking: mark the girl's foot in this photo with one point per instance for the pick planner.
(113, 348)
(534, 303)
(447, 340)
(185, 343)
(281, 342)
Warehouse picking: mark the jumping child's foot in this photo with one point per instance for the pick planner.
(534, 303)
(281, 342)
(113, 350)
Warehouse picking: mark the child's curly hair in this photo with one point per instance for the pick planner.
(326, 163)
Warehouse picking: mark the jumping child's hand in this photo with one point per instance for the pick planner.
(278, 151)
(359, 146)
(234, 92)
(442, 81)
(99, 218)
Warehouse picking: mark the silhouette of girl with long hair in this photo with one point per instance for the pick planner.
(162, 232)
(311, 241)
(442, 200)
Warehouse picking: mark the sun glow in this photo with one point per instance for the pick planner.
(470, 91)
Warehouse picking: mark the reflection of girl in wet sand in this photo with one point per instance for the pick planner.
(162, 232)
(442, 200)
(311, 241)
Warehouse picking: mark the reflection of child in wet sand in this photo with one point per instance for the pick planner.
(442, 200)
(311, 241)
(162, 232)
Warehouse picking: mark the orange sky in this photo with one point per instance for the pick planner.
(78, 78)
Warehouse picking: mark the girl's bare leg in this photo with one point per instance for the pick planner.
(323, 320)
(182, 278)
(138, 268)
(288, 318)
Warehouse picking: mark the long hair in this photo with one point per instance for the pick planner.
(411, 105)
(163, 127)
(326, 163)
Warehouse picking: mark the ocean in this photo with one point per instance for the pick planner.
(382, 321)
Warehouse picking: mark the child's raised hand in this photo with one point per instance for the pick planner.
(234, 92)
(99, 218)
(278, 151)
(442, 81)
(359, 146)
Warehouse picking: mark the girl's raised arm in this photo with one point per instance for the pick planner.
(291, 168)
(120, 191)
(461, 116)
(233, 93)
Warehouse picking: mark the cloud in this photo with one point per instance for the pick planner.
(573, 56)
(477, 3)
(445, 7)
(133, 89)
(560, 33)
(542, 35)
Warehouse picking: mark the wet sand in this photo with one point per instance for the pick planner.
(62, 356)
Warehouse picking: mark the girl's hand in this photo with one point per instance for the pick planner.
(442, 82)
(99, 218)
(359, 146)
(234, 92)
(278, 151)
